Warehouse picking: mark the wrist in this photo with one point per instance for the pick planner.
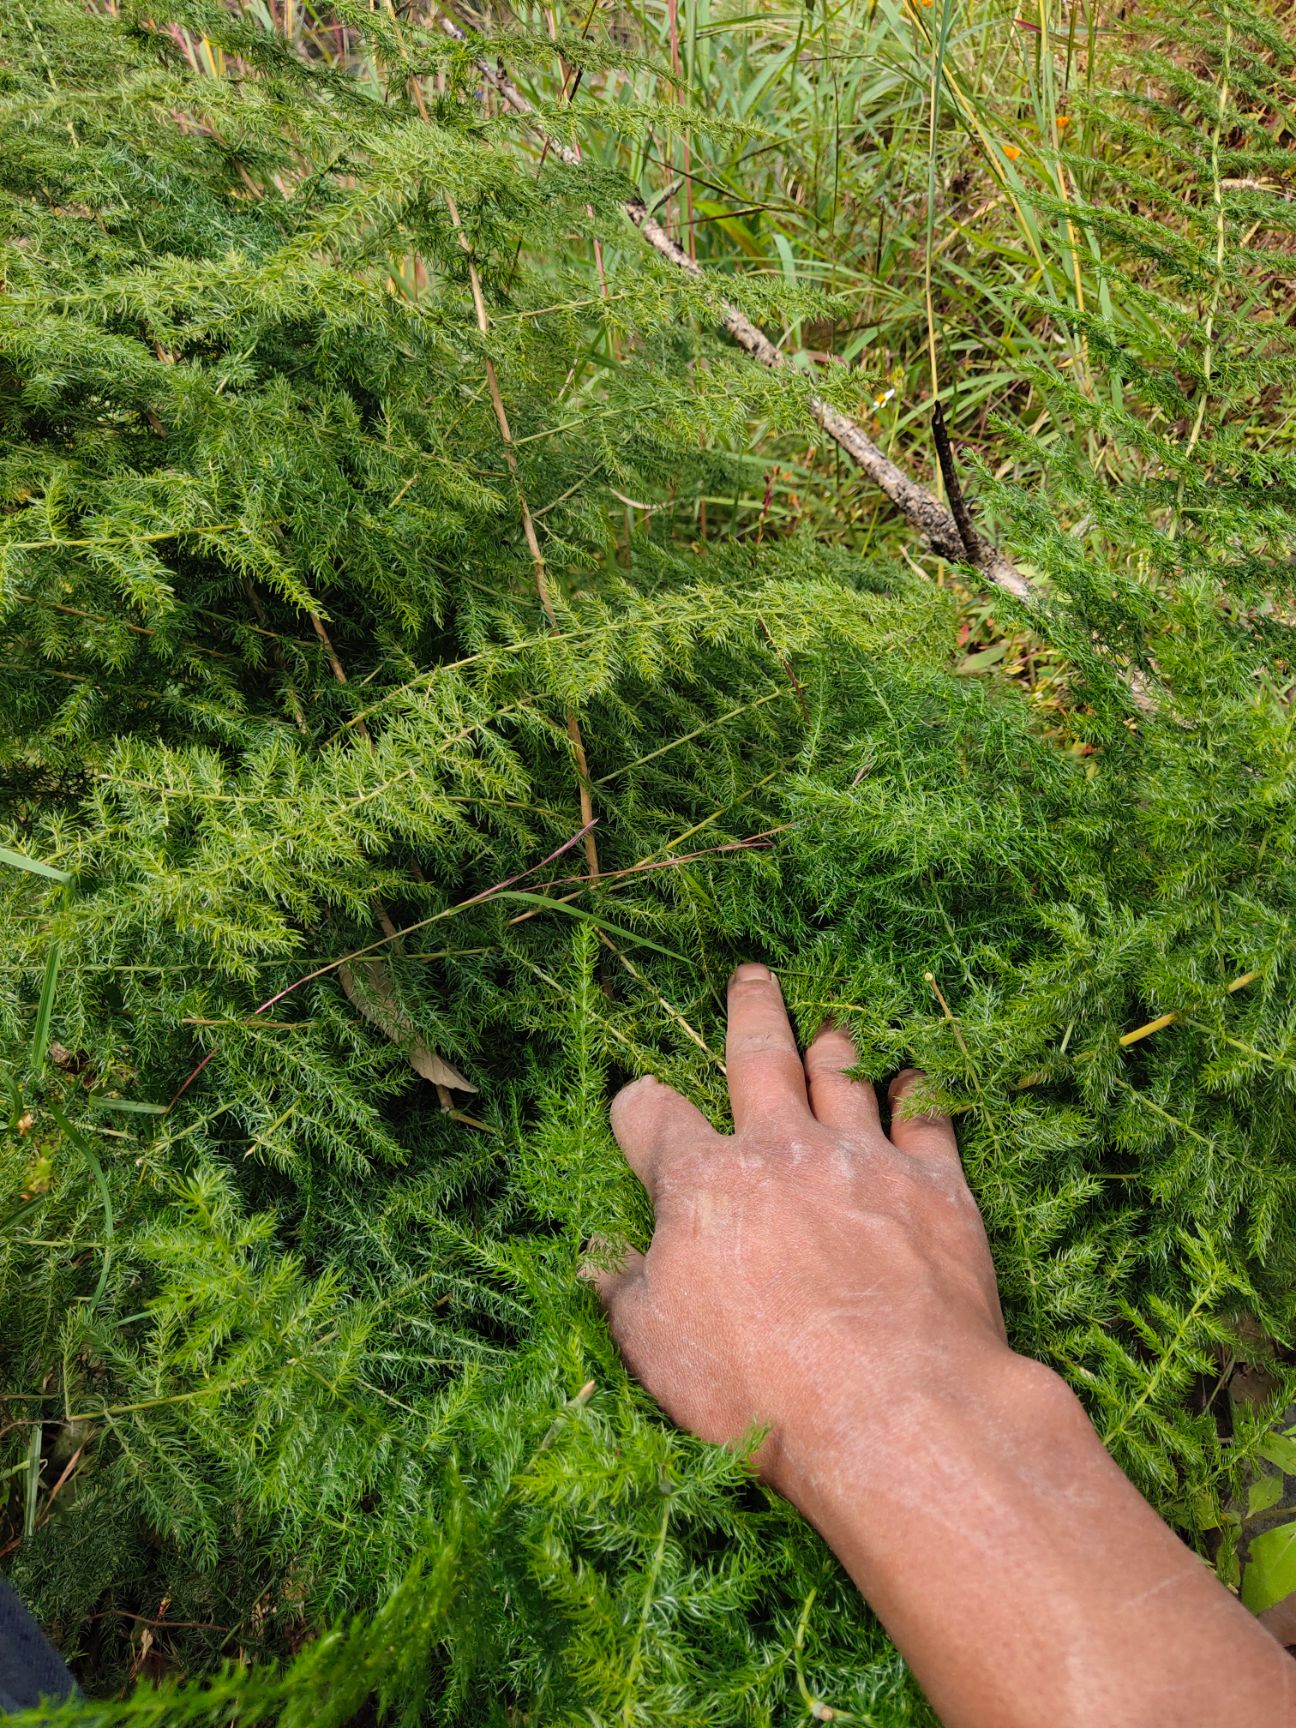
(876, 1438)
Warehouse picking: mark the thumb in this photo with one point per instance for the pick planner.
(611, 1274)
(633, 1318)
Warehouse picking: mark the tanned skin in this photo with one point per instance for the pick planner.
(813, 1275)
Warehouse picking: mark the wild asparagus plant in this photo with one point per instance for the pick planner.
(319, 650)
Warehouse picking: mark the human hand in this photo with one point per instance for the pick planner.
(833, 1284)
(807, 1273)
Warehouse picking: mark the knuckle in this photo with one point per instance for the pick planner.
(946, 1183)
(730, 1168)
(828, 1064)
(758, 1043)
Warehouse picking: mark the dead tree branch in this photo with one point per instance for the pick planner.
(920, 508)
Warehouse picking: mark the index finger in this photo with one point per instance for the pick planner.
(766, 1077)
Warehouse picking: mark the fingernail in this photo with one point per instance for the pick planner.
(750, 972)
(904, 1080)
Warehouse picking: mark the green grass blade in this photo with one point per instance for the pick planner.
(33, 1478)
(75, 1137)
(589, 918)
(131, 1106)
(18, 861)
(45, 1008)
(22, 1210)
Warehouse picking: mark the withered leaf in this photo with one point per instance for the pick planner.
(376, 1000)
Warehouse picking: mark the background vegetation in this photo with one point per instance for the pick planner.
(377, 510)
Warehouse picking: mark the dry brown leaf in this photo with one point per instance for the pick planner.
(376, 1000)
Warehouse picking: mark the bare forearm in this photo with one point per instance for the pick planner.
(834, 1285)
(1023, 1577)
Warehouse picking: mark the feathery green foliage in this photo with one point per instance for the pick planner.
(299, 1365)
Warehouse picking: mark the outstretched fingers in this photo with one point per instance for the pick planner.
(929, 1136)
(838, 1101)
(766, 1078)
(652, 1122)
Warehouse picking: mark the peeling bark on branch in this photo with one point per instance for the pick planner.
(915, 503)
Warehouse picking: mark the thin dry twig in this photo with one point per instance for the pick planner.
(528, 529)
(961, 544)
(392, 936)
(919, 506)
